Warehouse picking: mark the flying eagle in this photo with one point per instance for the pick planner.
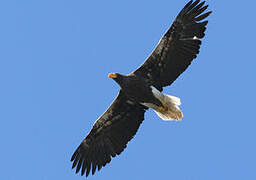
(141, 90)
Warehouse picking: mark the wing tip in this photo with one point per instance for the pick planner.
(193, 7)
(73, 156)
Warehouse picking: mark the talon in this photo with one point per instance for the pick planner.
(165, 108)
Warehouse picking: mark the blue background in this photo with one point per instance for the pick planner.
(54, 61)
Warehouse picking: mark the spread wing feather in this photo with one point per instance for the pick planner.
(177, 48)
(117, 126)
(109, 135)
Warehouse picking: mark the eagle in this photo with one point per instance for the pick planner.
(142, 89)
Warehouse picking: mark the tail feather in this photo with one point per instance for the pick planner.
(175, 100)
(171, 110)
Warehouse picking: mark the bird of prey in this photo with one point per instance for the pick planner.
(141, 90)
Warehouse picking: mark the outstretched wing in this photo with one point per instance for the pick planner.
(109, 135)
(177, 48)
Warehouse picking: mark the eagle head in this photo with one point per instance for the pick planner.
(113, 75)
(117, 77)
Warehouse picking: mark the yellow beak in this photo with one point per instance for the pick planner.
(112, 75)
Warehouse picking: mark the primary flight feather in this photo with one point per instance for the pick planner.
(141, 90)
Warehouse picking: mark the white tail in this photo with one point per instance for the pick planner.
(171, 110)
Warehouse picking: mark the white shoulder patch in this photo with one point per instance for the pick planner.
(195, 38)
(156, 93)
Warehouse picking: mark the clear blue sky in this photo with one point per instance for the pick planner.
(54, 61)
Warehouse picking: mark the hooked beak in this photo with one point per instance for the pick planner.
(112, 75)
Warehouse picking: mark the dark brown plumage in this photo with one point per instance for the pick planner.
(177, 47)
(109, 135)
(117, 126)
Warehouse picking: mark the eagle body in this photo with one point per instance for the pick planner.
(137, 89)
(142, 89)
